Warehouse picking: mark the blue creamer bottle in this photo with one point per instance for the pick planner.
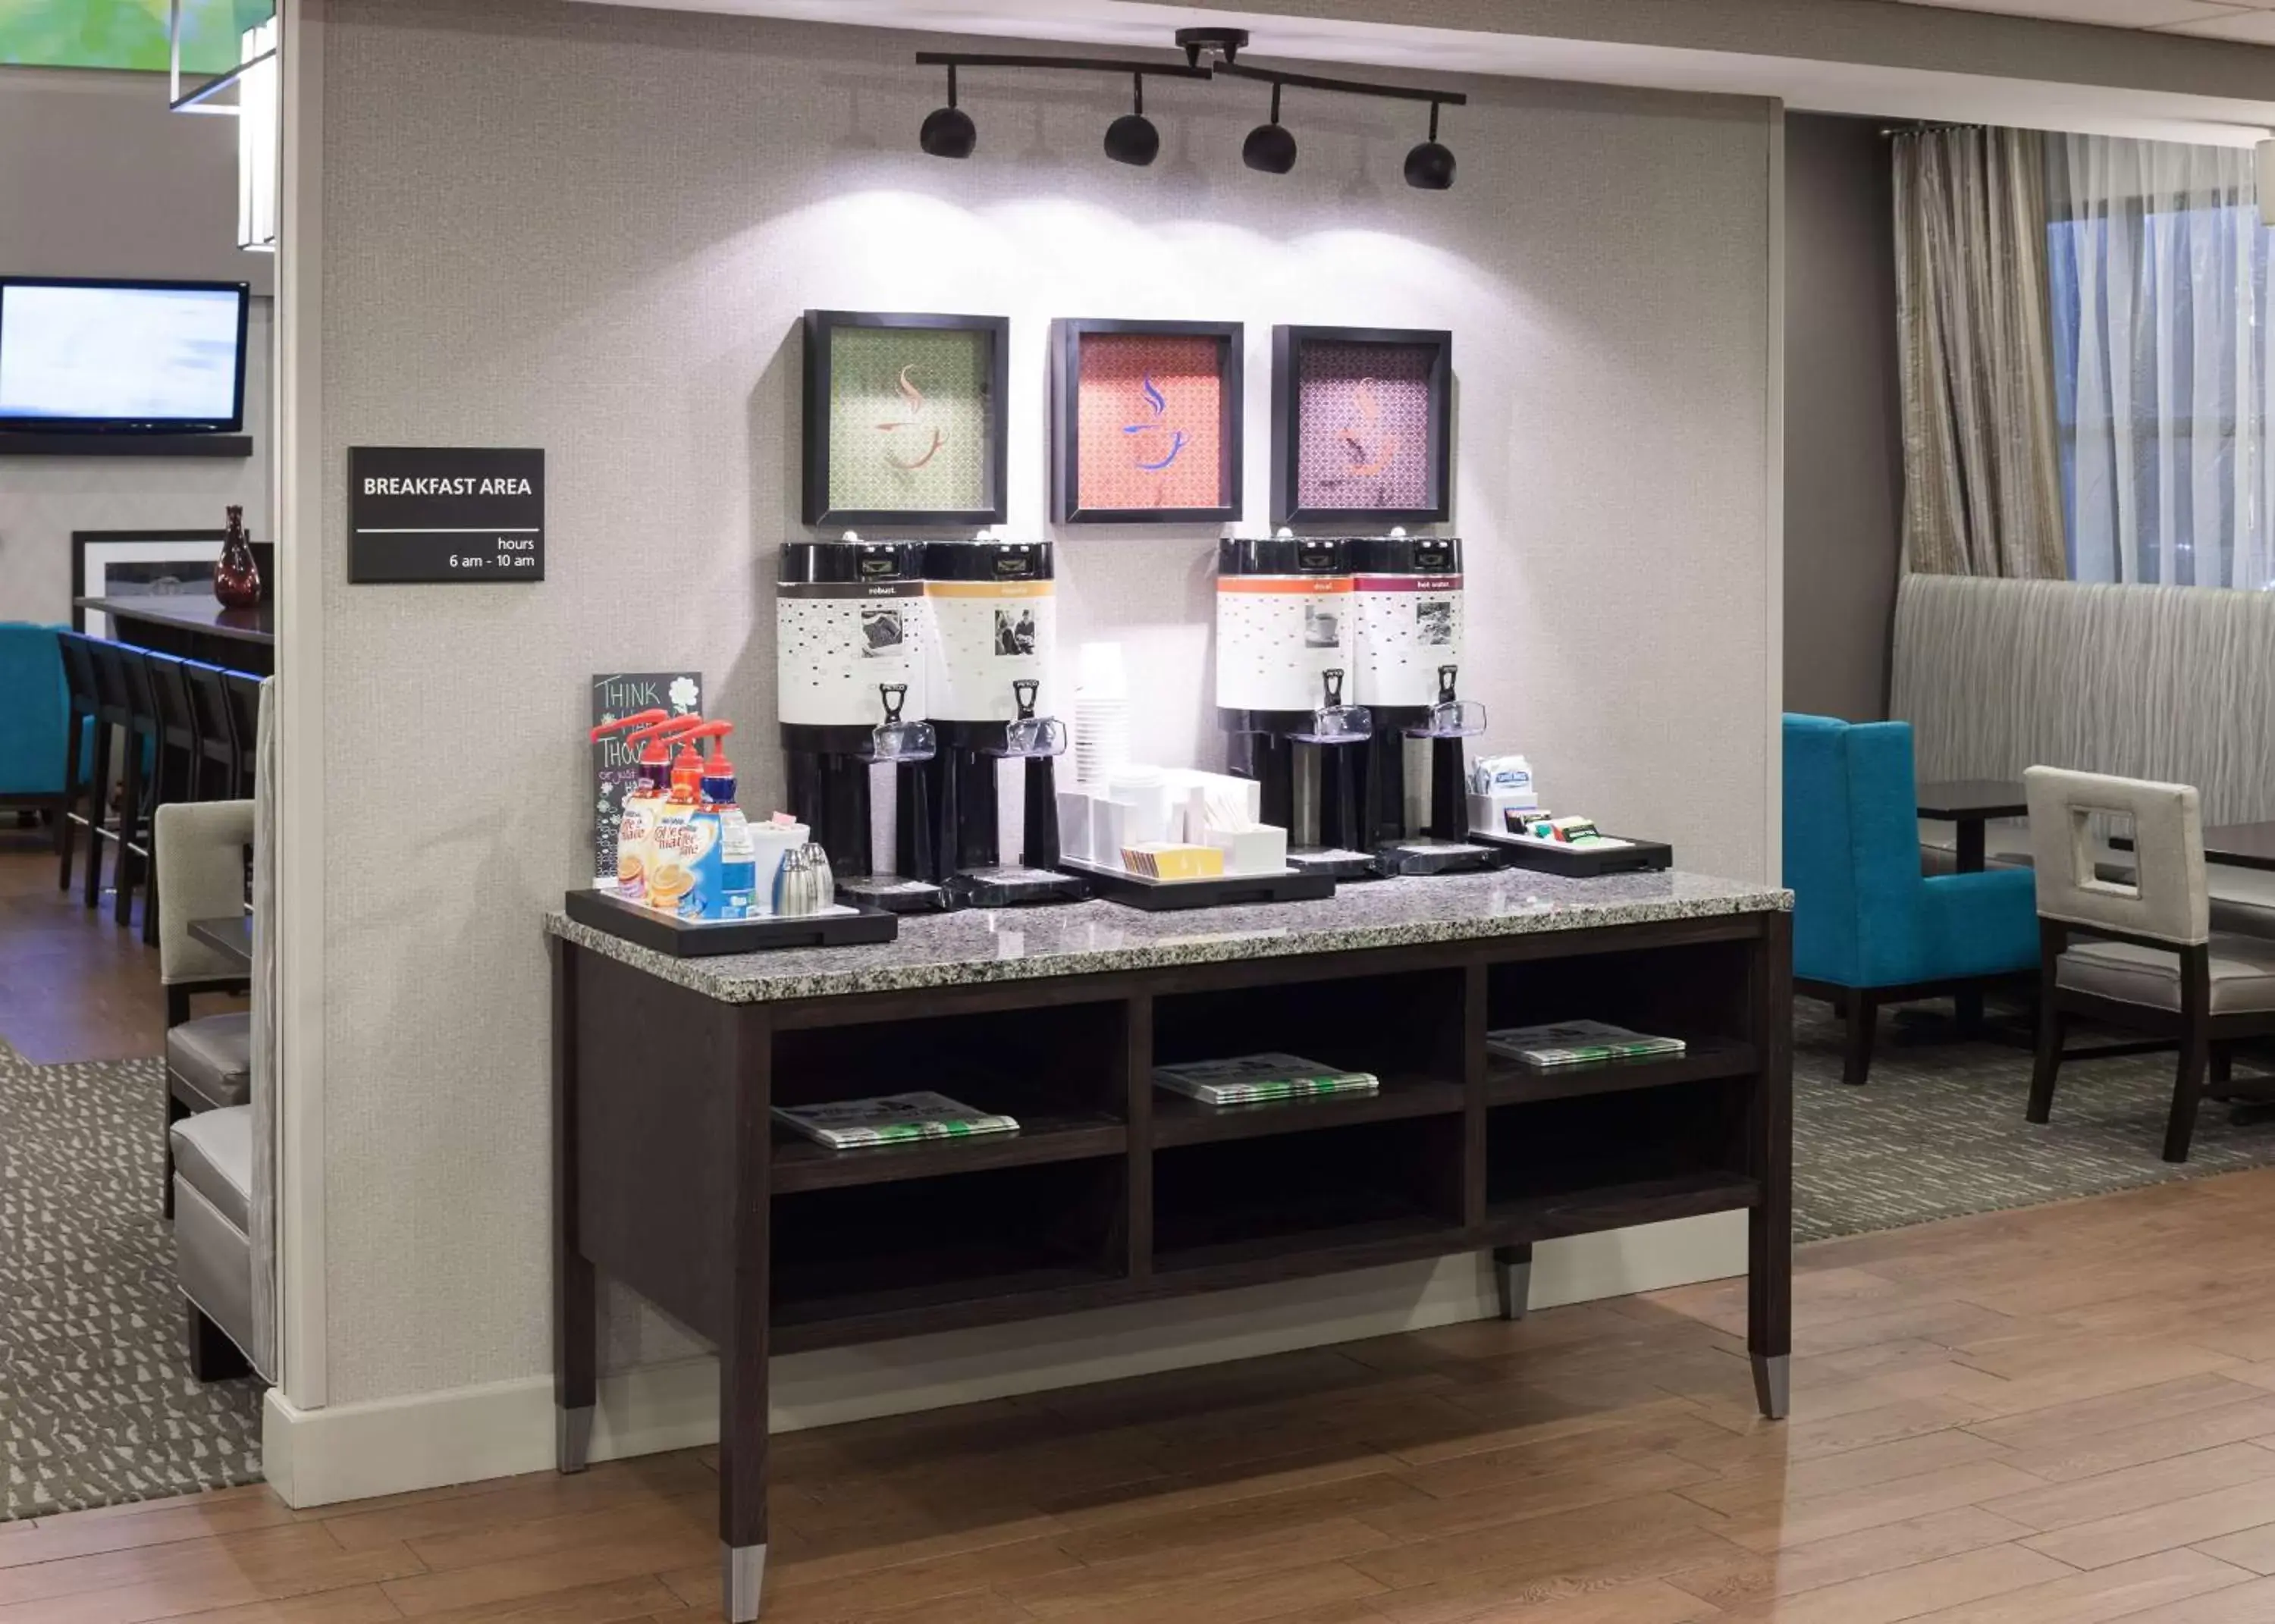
(726, 864)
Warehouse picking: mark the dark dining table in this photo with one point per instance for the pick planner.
(195, 626)
(231, 936)
(1968, 804)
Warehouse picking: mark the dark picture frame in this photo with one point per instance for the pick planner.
(1433, 349)
(140, 552)
(821, 330)
(1068, 336)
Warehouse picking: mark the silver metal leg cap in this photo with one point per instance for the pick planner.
(1774, 1384)
(572, 1437)
(743, 1571)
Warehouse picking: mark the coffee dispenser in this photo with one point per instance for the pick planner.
(1284, 651)
(1407, 617)
(993, 639)
(852, 625)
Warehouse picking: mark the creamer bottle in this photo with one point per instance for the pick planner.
(677, 842)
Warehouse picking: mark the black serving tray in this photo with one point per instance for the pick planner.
(707, 939)
(1232, 890)
(1637, 856)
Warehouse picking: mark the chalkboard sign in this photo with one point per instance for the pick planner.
(615, 764)
(450, 514)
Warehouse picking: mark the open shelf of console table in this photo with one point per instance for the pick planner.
(671, 1177)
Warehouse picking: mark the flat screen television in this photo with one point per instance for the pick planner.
(88, 356)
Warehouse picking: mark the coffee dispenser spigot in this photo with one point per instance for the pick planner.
(1450, 721)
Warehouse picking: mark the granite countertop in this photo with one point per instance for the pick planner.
(982, 945)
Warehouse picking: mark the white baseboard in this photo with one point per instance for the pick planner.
(318, 1457)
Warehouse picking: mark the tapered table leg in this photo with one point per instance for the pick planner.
(1512, 1278)
(747, 1046)
(1769, 1225)
(575, 1330)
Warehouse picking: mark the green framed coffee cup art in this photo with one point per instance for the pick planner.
(904, 417)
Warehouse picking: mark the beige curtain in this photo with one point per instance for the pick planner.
(1982, 475)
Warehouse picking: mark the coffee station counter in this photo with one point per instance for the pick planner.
(673, 1176)
(976, 946)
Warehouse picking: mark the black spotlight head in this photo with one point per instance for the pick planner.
(1430, 167)
(1269, 148)
(947, 133)
(1132, 139)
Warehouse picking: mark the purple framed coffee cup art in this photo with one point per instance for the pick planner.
(1361, 426)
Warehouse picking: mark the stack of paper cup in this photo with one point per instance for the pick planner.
(1101, 712)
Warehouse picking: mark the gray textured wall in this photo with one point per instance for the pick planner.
(592, 231)
(1843, 420)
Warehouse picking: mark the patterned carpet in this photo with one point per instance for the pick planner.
(96, 1402)
(1939, 1130)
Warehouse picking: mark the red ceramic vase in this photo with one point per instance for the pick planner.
(237, 576)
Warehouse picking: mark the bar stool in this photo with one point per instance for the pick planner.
(218, 769)
(244, 711)
(78, 684)
(179, 758)
(145, 786)
(114, 717)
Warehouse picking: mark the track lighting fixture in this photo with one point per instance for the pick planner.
(948, 131)
(1269, 148)
(1429, 166)
(1132, 139)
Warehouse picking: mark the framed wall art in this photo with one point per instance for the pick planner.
(141, 563)
(904, 417)
(1145, 422)
(1362, 427)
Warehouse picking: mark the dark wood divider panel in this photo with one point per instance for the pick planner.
(672, 1178)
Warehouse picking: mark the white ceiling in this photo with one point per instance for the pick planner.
(2252, 21)
(1800, 83)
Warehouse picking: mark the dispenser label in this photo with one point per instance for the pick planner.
(445, 514)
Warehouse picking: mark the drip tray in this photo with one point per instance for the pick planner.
(1432, 856)
(893, 893)
(1012, 885)
(1334, 862)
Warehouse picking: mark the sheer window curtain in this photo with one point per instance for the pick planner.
(2162, 336)
(1982, 486)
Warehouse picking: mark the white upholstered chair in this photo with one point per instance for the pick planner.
(2138, 950)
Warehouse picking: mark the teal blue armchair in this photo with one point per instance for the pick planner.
(35, 712)
(1869, 927)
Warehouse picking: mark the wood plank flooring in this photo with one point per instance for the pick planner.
(2059, 1416)
(73, 985)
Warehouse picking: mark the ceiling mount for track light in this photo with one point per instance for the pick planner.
(1223, 45)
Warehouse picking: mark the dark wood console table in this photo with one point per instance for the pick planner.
(671, 1177)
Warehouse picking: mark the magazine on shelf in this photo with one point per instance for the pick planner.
(1577, 1043)
(1250, 1079)
(890, 1119)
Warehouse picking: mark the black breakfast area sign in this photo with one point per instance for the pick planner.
(445, 513)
